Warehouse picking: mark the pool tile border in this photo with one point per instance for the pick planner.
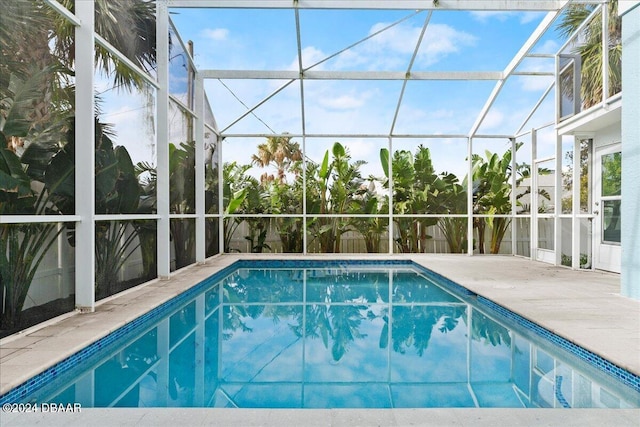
(37, 382)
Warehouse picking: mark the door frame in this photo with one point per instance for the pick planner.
(606, 256)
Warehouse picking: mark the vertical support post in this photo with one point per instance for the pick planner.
(470, 196)
(200, 172)
(557, 202)
(162, 184)
(220, 196)
(605, 52)
(533, 232)
(575, 205)
(390, 194)
(305, 222)
(557, 92)
(514, 222)
(85, 157)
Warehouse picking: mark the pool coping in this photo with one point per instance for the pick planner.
(27, 354)
(452, 417)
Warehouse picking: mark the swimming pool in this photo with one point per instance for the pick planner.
(329, 335)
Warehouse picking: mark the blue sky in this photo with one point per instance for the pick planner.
(454, 41)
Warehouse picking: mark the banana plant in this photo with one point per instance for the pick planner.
(453, 196)
(23, 246)
(371, 229)
(320, 228)
(182, 198)
(492, 176)
(285, 198)
(26, 190)
(117, 191)
(414, 192)
(234, 193)
(331, 189)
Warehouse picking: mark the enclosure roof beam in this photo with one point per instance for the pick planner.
(303, 114)
(509, 70)
(476, 5)
(366, 135)
(408, 73)
(64, 12)
(352, 75)
(535, 108)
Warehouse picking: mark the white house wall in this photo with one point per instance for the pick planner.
(607, 136)
(630, 274)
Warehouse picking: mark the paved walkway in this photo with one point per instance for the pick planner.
(584, 307)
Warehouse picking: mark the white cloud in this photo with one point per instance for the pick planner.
(215, 33)
(441, 40)
(392, 48)
(400, 38)
(310, 56)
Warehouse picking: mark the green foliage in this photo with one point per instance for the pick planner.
(234, 192)
(567, 260)
(611, 173)
(492, 176)
(36, 144)
(182, 199)
(453, 196)
(418, 189)
(331, 190)
(589, 48)
(371, 229)
(286, 199)
(23, 246)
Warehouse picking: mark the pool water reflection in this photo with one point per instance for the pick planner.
(363, 337)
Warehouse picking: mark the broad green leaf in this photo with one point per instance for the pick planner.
(324, 169)
(384, 160)
(236, 201)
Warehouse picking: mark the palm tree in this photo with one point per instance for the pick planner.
(130, 26)
(590, 49)
(279, 151)
(34, 38)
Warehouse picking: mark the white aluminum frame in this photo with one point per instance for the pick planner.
(86, 39)
(85, 158)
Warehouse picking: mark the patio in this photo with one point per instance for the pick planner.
(585, 308)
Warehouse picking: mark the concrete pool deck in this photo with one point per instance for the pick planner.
(583, 307)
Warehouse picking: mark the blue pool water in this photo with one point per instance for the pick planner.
(285, 334)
